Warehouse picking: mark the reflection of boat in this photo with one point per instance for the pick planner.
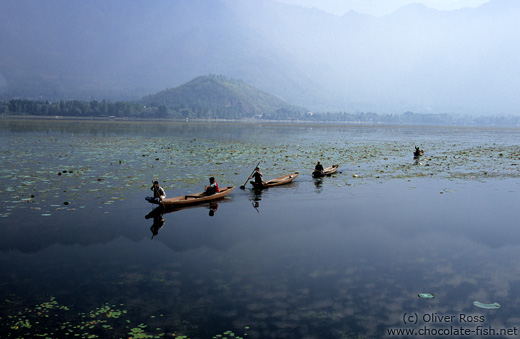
(195, 198)
(161, 210)
(326, 171)
(276, 182)
(157, 214)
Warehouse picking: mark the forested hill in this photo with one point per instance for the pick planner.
(205, 97)
(215, 96)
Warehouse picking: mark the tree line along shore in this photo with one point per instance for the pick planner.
(137, 110)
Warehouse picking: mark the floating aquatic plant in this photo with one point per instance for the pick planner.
(51, 319)
(492, 306)
(74, 167)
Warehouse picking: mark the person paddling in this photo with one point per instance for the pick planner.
(257, 175)
(319, 168)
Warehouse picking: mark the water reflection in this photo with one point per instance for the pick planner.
(158, 220)
(256, 196)
(213, 207)
(318, 182)
(157, 214)
(346, 265)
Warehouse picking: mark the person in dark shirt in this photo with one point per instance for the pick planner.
(257, 175)
(319, 167)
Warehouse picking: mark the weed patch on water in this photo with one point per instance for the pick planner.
(40, 170)
(50, 319)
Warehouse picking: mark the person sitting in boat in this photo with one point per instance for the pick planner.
(319, 168)
(418, 152)
(213, 187)
(257, 175)
(158, 193)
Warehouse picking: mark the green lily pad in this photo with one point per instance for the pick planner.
(492, 306)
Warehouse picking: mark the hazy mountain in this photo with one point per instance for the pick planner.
(416, 59)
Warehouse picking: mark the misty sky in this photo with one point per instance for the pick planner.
(380, 7)
(425, 61)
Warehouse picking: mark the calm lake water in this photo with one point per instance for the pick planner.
(82, 254)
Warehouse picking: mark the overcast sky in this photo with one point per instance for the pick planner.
(380, 7)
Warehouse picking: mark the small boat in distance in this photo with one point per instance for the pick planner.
(194, 198)
(276, 182)
(418, 152)
(326, 171)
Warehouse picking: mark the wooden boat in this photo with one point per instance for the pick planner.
(194, 198)
(276, 182)
(326, 171)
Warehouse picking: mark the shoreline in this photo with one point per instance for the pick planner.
(256, 121)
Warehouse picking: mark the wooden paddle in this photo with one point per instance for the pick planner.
(244, 185)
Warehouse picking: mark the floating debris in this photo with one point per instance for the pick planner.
(492, 306)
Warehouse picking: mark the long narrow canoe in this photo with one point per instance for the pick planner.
(161, 210)
(276, 182)
(196, 198)
(326, 171)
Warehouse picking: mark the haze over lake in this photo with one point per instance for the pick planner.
(82, 252)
